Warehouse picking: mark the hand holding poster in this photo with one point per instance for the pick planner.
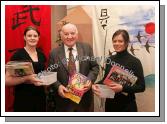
(76, 87)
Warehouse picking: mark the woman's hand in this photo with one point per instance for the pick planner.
(95, 89)
(33, 79)
(115, 87)
(29, 79)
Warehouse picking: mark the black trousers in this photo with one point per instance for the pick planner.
(115, 105)
(30, 104)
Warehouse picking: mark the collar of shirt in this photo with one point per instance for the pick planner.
(66, 48)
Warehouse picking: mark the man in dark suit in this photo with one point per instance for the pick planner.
(84, 65)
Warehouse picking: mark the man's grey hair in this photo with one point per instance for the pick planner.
(69, 24)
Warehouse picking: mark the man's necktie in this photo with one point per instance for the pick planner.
(71, 63)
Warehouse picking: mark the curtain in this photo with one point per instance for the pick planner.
(17, 18)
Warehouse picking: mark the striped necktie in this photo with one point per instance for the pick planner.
(71, 63)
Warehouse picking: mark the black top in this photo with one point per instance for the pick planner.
(29, 97)
(126, 61)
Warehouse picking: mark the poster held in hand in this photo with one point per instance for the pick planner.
(76, 86)
(118, 75)
(19, 68)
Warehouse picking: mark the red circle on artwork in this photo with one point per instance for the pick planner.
(150, 28)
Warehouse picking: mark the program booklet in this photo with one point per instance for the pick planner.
(76, 87)
(48, 78)
(19, 68)
(118, 75)
(105, 91)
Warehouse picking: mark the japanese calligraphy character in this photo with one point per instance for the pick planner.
(20, 16)
(104, 17)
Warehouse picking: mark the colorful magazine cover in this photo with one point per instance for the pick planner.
(118, 75)
(76, 87)
(19, 68)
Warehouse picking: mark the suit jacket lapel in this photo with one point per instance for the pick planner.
(61, 55)
(81, 54)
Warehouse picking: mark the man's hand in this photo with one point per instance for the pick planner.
(62, 90)
(87, 85)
